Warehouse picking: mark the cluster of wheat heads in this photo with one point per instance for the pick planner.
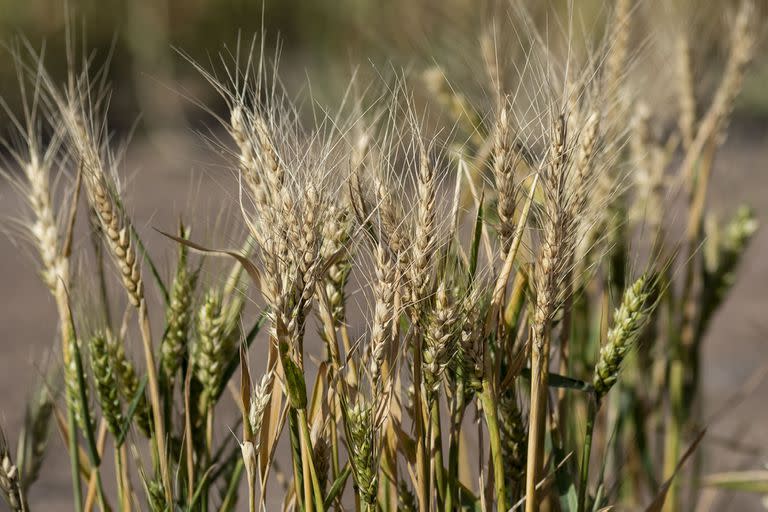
(498, 265)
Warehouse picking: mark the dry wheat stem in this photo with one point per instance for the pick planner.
(552, 262)
(685, 91)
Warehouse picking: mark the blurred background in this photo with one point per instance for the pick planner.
(323, 41)
(321, 44)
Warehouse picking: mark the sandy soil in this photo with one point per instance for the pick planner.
(165, 184)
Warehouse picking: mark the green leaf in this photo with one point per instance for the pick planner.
(131, 411)
(226, 455)
(295, 384)
(468, 499)
(569, 500)
(200, 486)
(476, 235)
(245, 393)
(230, 498)
(565, 474)
(234, 361)
(338, 486)
(152, 267)
(93, 452)
(658, 502)
(561, 381)
(247, 264)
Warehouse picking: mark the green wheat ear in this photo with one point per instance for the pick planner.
(322, 457)
(628, 321)
(178, 316)
(514, 440)
(361, 432)
(106, 382)
(129, 387)
(209, 351)
(73, 390)
(155, 495)
(33, 439)
(722, 255)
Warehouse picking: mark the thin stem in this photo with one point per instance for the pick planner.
(67, 340)
(422, 464)
(230, 498)
(154, 394)
(310, 460)
(389, 466)
(308, 501)
(122, 487)
(95, 483)
(494, 437)
(330, 329)
(683, 342)
(74, 458)
(98, 249)
(592, 408)
(537, 419)
(209, 421)
(298, 480)
(351, 375)
(188, 442)
(565, 337)
(437, 450)
(674, 431)
(516, 299)
(335, 468)
(454, 438)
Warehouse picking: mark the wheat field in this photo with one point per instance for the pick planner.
(528, 279)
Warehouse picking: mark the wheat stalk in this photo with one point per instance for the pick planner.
(117, 229)
(685, 91)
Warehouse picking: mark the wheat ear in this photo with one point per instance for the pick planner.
(209, 353)
(439, 341)
(504, 162)
(117, 229)
(178, 317)
(10, 480)
(383, 315)
(106, 382)
(553, 258)
(628, 322)
(424, 244)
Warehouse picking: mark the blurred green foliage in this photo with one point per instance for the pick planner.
(325, 39)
